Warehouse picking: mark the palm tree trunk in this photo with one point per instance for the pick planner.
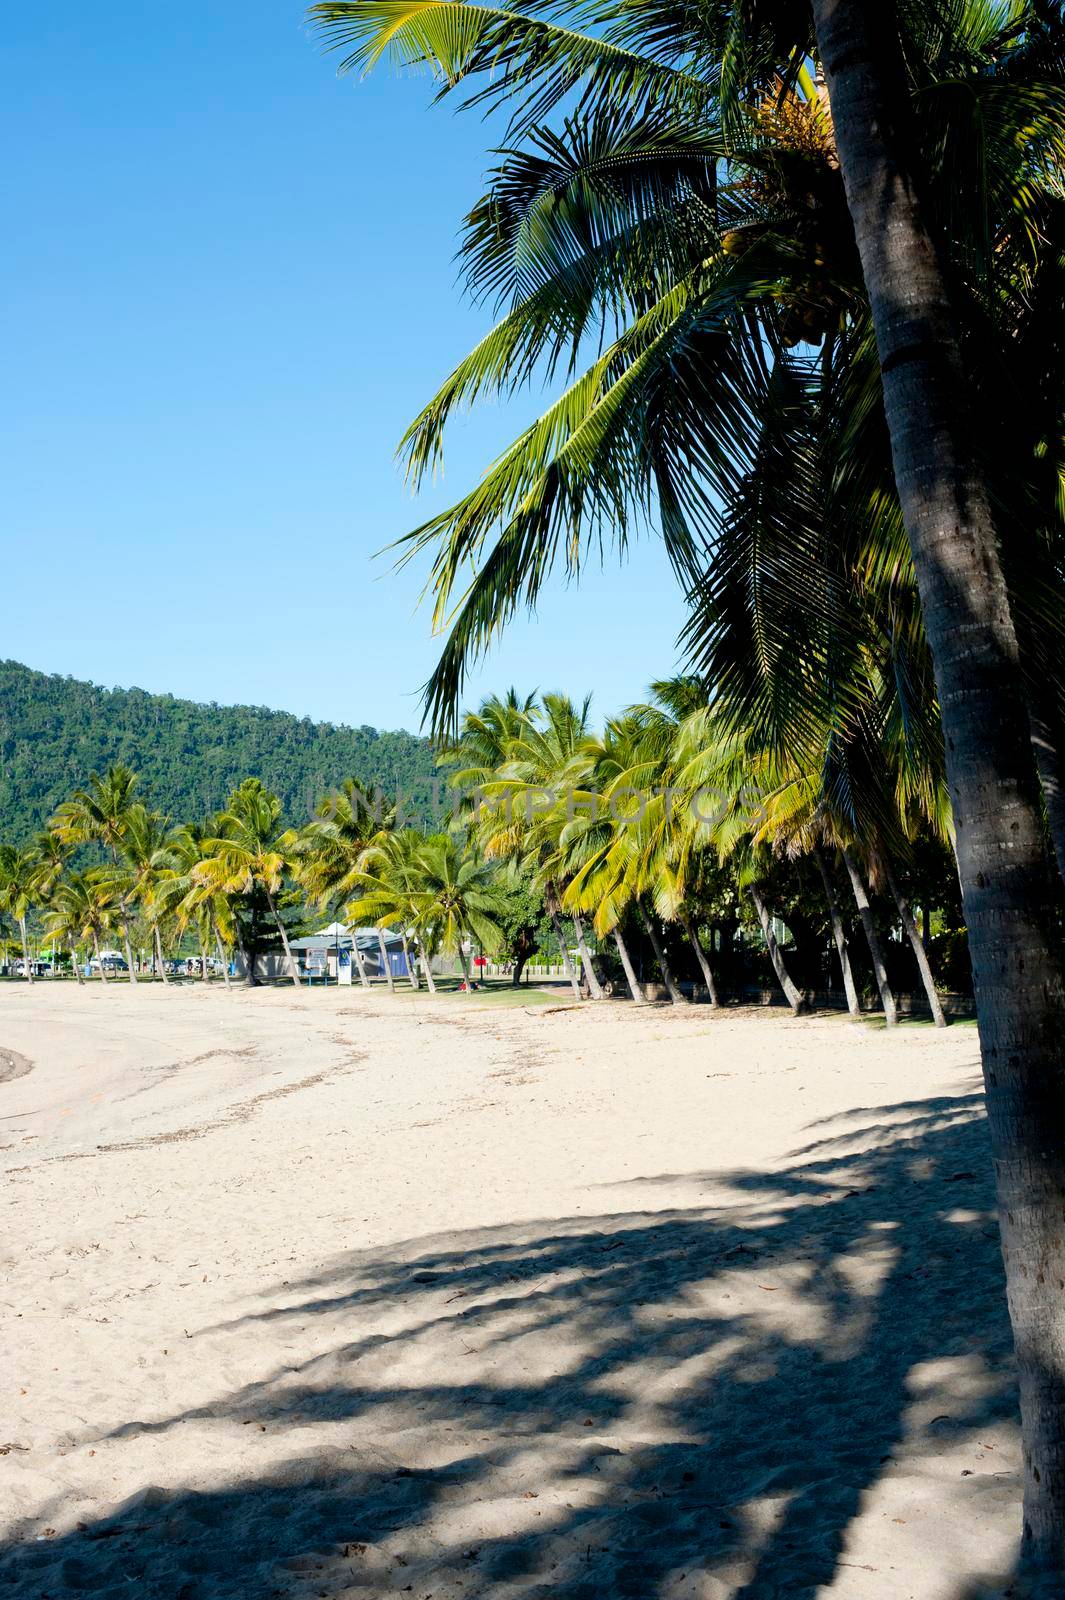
(427, 969)
(462, 963)
(1007, 893)
(412, 966)
(284, 937)
(99, 962)
(25, 950)
(123, 916)
(203, 960)
(384, 961)
(75, 963)
(630, 972)
(872, 939)
(159, 952)
(360, 961)
(703, 960)
(674, 993)
(551, 901)
(791, 994)
(125, 941)
(839, 934)
(591, 977)
(221, 953)
(917, 944)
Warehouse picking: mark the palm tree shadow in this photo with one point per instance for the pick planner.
(673, 1403)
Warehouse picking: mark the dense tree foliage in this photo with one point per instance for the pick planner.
(55, 730)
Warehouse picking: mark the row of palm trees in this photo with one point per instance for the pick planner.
(206, 881)
(644, 823)
(635, 830)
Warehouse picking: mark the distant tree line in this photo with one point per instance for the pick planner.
(659, 847)
(189, 757)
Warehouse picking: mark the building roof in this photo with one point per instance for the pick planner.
(367, 940)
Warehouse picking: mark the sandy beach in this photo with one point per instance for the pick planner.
(332, 1294)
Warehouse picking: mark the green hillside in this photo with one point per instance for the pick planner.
(54, 731)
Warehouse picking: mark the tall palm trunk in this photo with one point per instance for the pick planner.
(130, 963)
(427, 969)
(839, 934)
(792, 994)
(1007, 893)
(703, 960)
(125, 938)
(872, 939)
(282, 930)
(551, 901)
(124, 914)
(920, 953)
(221, 953)
(412, 966)
(385, 962)
(359, 960)
(159, 953)
(75, 963)
(99, 962)
(203, 960)
(668, 979)
(631, 979)
(591, 977)
(26, 962)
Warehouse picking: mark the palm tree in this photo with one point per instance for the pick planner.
(482, 742)
(251, 851)
(100, 813)
(589, 843)
(716, 765)
(666, 867)
(458, 898)
(947, 509)
(51, 859)
(83, 907)
(497, 802)
(839, 934)
(191, 901)
(147, 868)
(18, 885)
(530, 797)
(330, 848)
(603, 845)
(389, 890)
(917, 945)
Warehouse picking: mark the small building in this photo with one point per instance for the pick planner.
(317, 953)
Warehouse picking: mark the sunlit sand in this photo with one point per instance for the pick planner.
(332, 1294)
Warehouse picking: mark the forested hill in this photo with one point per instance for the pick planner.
(54, 731)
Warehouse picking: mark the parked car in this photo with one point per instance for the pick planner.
(110, 963)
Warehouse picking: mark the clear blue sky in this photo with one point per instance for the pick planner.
(227, 284)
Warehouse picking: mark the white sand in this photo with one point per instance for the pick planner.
(331, 1295)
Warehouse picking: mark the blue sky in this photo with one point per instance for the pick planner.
(227, 285)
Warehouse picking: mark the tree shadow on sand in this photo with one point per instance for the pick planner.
(679, 1403)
